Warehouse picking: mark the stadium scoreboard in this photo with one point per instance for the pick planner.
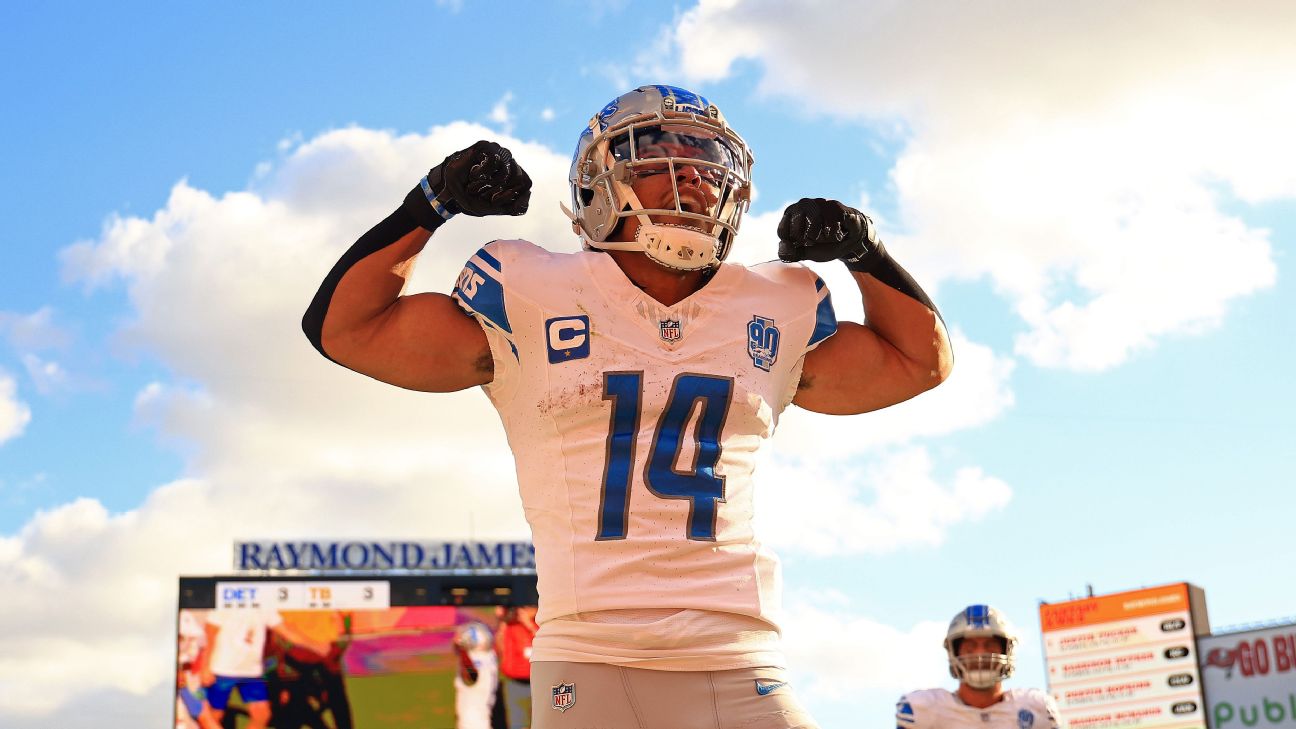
(359, 592)
(313, 595)
(354, 633)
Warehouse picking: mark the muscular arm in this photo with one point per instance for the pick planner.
(902, 347)
(360, 320)
(901, 350)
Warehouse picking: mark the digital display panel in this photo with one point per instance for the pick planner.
(339, 653)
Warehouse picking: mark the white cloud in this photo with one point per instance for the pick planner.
(14, 413)
(840, 655)
(547, 114)
(501, 115)
(34, 331)
(1076, 156)
(48, 375)
(893, 502)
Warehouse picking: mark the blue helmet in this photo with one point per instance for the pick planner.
(474, 636)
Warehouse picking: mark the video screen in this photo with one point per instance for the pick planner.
(330, 654)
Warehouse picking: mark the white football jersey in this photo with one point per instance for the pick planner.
(241, 640)
(1021, 708)
(634, 426)
(474, 702)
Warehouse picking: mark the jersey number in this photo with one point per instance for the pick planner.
(699, 485)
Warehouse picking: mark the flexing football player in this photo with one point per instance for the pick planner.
(636, 379)
(980, 645)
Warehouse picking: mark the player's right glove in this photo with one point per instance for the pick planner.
(481, 180)
(815, 229)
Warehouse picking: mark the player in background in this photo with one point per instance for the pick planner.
(303, 685)
(636, 381)
(980, 644)
(477, 677)
(192, 709)
(236, 638)
(513, 643)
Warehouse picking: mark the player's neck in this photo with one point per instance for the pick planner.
(980, 698)
(667, 286)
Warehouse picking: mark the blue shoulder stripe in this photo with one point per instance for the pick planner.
(490, 260)
(479, 290)
(825, 317)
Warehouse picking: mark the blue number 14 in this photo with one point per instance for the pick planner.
(699, 485)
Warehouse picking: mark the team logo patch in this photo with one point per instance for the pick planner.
(762, 342)
(1025, 719)
(568, 338)
(564, 696)
(670, 330)
(904, 711)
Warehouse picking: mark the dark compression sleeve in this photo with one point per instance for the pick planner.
(390, 230)
(885, 269)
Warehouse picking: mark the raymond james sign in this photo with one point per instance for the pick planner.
(372, 555)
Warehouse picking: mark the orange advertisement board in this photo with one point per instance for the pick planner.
(1111, 608)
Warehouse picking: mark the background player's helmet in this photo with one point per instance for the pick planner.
(651, 130)
(982, 670)
(474, 636)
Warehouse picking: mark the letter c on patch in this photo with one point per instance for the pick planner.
(566, 333)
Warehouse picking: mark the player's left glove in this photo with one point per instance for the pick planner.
(815, 229)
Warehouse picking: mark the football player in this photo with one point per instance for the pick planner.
(980, 645)
(477, 677)
(636, 380)
(237, 638)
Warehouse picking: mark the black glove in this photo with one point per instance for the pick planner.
(481, 180)
(825, 230)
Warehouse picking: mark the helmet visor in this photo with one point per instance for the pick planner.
(647, 148)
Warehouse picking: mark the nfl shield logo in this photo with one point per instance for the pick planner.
(670, 330)
(564, 696)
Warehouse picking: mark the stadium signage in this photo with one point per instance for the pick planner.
(1127, 660)
(360, 555)
(1249, 677)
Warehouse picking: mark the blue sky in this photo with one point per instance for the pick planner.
(1108, 234)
